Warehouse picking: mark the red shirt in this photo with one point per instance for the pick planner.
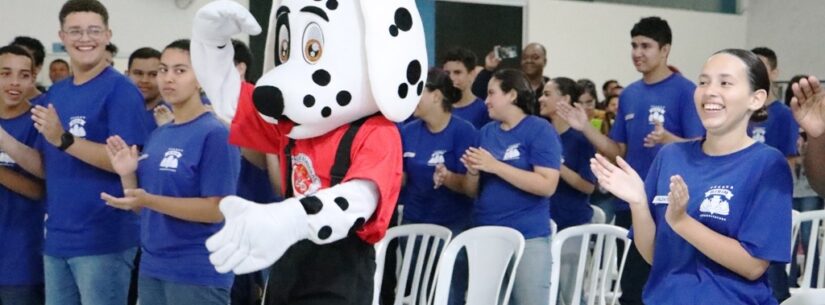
(375, 156)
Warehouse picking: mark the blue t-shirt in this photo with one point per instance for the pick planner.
(532, 142)
(41, 100)
(476, 113)
(193, 159)
(79, 222)
(568, 206)
(21, 219)
(745, 195)
(254, 184)
(779, 131)
(423, 150)
(669, 101)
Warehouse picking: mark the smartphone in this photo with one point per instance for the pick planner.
(506, 52)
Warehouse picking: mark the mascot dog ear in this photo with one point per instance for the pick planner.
(393, 36)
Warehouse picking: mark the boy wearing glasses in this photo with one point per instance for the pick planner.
(89, 247)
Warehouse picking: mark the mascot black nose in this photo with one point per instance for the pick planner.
(269, 101)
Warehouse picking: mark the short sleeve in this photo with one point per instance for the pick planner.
(618, 132)
(586, 151)
(691, 123)
(545, 147)
(220, 165)
(124, 109)
(376, 156)
(249, 130)
(789, 135)
(765, 231)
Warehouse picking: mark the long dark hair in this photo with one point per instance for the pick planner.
(438, 79)
(516, 80)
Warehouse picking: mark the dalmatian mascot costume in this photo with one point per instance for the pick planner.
(336, 74)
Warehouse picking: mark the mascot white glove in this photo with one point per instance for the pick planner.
(218, 21)
(254, 235)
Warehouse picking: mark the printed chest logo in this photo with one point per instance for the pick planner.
(716, 203)
(656, 114)
(304, 180)
(436, 158)
(77, 126)
(169, 162)
(512, 152)
(5, 159)
(758, 134)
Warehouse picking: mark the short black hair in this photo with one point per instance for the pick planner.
(91, 6)
(181, 44)
(569, 87)
(38, 52)
(607, 83)
(438, 79)
(143, 53)
(654, 28)
(19, 51)
(512, 79)
(465, 56)
(59, 61)
(587, 86)
(112, 48)
(242, 55)
(768, 54)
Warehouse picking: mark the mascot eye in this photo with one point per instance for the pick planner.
(313, 43)
(283, 43)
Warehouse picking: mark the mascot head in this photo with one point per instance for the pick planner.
(332, 62)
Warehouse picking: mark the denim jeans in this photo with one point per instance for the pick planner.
(532, 282)
(89, 280)
(152, 291)
(21, 295)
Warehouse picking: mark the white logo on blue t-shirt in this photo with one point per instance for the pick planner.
(758, 134)
(5, 159)
(716, 202)
(409, 154)
(436, 158)
(656, 114)
(77, 126)
(170, 159)
(512, 152)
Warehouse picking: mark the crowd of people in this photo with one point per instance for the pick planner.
(130, 167)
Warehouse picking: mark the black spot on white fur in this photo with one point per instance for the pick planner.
(326, 112)
(413, 71)
(309, 101)
(343, 98)
(402, 90)
(403, 21)
(420, 88)
(342, 203)
(312, 205)
(321, 77)
(332, 4)
(324, 233)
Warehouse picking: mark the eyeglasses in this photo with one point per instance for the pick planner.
(93, 32)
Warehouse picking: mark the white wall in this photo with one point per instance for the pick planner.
(793, 29)
(134, 24)
(592, 40)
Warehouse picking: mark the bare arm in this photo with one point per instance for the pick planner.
(91, 153)
(255, 157)
(21, 184)
(26, 157)
(190, 209)
(813, 160)
(577, 118)
(576, 181)
(273, 169)
(452, 180)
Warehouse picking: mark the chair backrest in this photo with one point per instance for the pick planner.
(807, 297)
(493, 255)
(815, 248)
(598, 215)
(422, 243)
(594, 273)
(794, 234)
(554, 228)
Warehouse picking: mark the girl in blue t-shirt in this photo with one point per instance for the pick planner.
(513, 171)
(184, 170)
(433, 144)
(714, 213)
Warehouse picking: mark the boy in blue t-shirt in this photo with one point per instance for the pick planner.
(21, 208)
(460, 64)
(89, 247)
(656, 110)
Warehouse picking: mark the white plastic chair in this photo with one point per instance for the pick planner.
(424, 242)
(493, 253)
(807, 297)
(598, 247)
(554, 228)
(598, 215)
(816, 241)
(794, 234)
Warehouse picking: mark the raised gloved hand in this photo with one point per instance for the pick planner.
(255, 235)
(216, 22)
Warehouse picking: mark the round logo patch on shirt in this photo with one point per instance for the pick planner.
(304, 179)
